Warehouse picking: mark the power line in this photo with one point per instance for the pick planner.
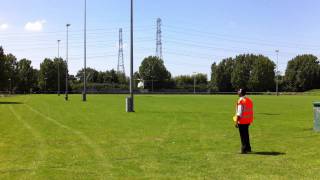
(102, 44)
(177, 29)
(77, 31)
(234, 49)
(49, 43)
(183, 53)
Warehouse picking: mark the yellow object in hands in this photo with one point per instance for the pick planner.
(235, 118)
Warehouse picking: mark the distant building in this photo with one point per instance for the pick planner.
(141, 84)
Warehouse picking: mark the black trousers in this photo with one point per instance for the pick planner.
(245, 138)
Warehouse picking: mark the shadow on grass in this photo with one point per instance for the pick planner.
(269, 153)
(10, 103)
(308, 129)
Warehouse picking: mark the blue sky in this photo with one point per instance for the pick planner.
(195, 33)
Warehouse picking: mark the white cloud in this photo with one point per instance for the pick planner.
(36, 26)
(4, 27)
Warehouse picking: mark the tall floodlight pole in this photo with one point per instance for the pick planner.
(130, 100)
(11, 78)
(67, 59)
(45, 84)
(84, 94)
(59, 67)
(10, 89)
(194, 82)
(277, 73)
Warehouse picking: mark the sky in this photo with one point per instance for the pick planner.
(195, 33)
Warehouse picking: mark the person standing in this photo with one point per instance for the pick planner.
(243, 120)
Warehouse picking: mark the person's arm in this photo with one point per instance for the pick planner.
(239, 114)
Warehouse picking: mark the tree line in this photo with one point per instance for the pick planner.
(258, 73)
(254, 72)
(20, 77)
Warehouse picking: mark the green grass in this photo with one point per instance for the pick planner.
(315, 92)
(169, 137)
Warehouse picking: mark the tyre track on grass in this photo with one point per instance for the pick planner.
(42, 143)
(205, 157)
(96, 149)
(164, 141)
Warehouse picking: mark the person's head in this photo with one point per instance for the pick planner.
(242, 92)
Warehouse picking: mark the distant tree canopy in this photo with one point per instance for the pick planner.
(254, 72)
(152, 69)
(189, 81)
(27, 76)
(221, 75)
(103, 77)
(303, 73)
(4, 76)
(16, 75)
(48, 74)
(91, 75)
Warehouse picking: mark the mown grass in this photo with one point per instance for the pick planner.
(314, 92)
(169, 137)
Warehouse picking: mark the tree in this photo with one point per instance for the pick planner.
(184, 82)
(3, 75)
(27, 76)
(201, 79)
(92, 75)
(122, 78)
(221, 75)
(187, 82)
(254, 72)
(213, 81)
(241, 71)
(113, 76)
(136, 76)
(48, 75)
(262, 74)
(153, 70)
(303, 73)
(60, 64)
(10, 71)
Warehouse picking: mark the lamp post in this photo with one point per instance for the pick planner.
(11, 77)
(194, 82)
(277, 73)
(10, 88)
(67, 59)
(84, 94)
(130, 100)
(59, 67)
(45, 84)
(151, 72)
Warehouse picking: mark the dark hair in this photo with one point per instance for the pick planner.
(243, 91)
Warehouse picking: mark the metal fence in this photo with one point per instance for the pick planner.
(144, 91)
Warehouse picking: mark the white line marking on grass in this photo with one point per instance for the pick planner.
(43, 149)
(96, 149)
(88, 141)
(26, 99)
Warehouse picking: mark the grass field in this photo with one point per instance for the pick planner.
(315, 92)
(169, 137)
